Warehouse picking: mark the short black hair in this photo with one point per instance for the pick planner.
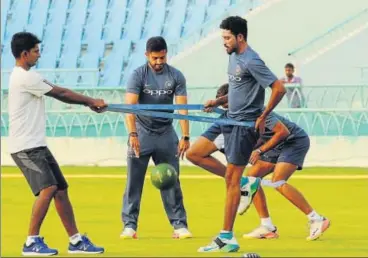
(223, 90)
(289, 65)
(156, 44)
(23, 41)
(237, 25)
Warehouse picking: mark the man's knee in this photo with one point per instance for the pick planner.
(61, 195)
(233, 175)
(48, 192)
(278, 184)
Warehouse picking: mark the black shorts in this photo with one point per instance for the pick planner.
(40, 168)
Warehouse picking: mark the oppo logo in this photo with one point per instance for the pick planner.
(234, 78)
(158, 92)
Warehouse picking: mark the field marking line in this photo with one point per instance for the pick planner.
(112, 176)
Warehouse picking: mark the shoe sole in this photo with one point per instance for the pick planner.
(174, 236)
(37, 254)
(251, 200)
(267, 236)
(84, 252)
(222, 250)
(325, 226)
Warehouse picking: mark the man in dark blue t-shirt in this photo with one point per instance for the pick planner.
(155, 83)
(248, 78)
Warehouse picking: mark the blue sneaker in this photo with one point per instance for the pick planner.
(85, 246)
(38, 248)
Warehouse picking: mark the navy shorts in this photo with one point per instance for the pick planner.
(239, 141)
(291, 151)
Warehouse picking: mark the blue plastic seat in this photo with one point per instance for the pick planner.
(4, 16)
(175, 20)
(115, 14)
(37, 17)
(96, 14)
(134, 23)
(90, 57)
(17, 18)
(155, 19)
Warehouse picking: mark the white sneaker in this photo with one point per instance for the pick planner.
(247, 193)
(182, 233)
(262, 232)
(317, 227)
(128, 233)
(221, 245)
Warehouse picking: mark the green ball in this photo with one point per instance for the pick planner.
(164, 176)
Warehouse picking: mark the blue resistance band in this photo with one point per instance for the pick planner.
(164, 107)
(145, 112)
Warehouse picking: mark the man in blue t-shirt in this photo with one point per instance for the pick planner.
(155, 82)
(248, 77)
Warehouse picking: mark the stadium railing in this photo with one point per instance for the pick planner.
(329, 111)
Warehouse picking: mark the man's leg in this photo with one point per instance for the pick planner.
(33, 165)
(172, 198)
(200, 154)
(78, 243)
(239, 143)
(318, 224)
(137, 168)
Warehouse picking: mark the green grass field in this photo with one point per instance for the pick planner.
(98, 201)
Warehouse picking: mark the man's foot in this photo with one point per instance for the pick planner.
(182, 233)
(85, 246)
(38, 248)
(262, 232)
(221, 245)
(317, 227)
(128, 233)
(248, 188)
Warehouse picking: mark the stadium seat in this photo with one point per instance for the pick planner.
(173, 24)
(134, 23)
(91, 55)
(115, 18)
(96, 14)
(17, 18)
(37, 17)
(113, 63)
(215, 9)
(155, 19)
(4, 17)
(195, 18)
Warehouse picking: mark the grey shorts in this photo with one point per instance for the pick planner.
(40, 168)
(239, 141)
(292, 151)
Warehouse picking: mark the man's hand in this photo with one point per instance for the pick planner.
(134, 144)
(210, 105)
(254, 157)
(97, 105)
(260, 124)
(183, 147)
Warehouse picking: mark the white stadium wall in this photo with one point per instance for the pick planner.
(325, 151)
(271, 34)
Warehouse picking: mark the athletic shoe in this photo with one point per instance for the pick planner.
(128, 233)
(248, 189)
(221, 245)
(317, 227)
(182, 233)
(262, 232)
(85, 246)
(38, 248)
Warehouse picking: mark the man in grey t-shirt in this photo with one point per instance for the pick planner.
(155, 83)
(248, 78)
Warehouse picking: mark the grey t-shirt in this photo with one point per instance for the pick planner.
(248, 79)
(156, 88)
(296, 132)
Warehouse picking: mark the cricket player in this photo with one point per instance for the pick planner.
(248, 78)
(281, 149)
(28, 148)
(155, 82)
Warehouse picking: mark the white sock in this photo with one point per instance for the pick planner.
(74, 239)
(314, 216)
(30, 240)
(267, 222)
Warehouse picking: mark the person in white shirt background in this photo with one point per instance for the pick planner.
(294, 92)
(28, 148)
